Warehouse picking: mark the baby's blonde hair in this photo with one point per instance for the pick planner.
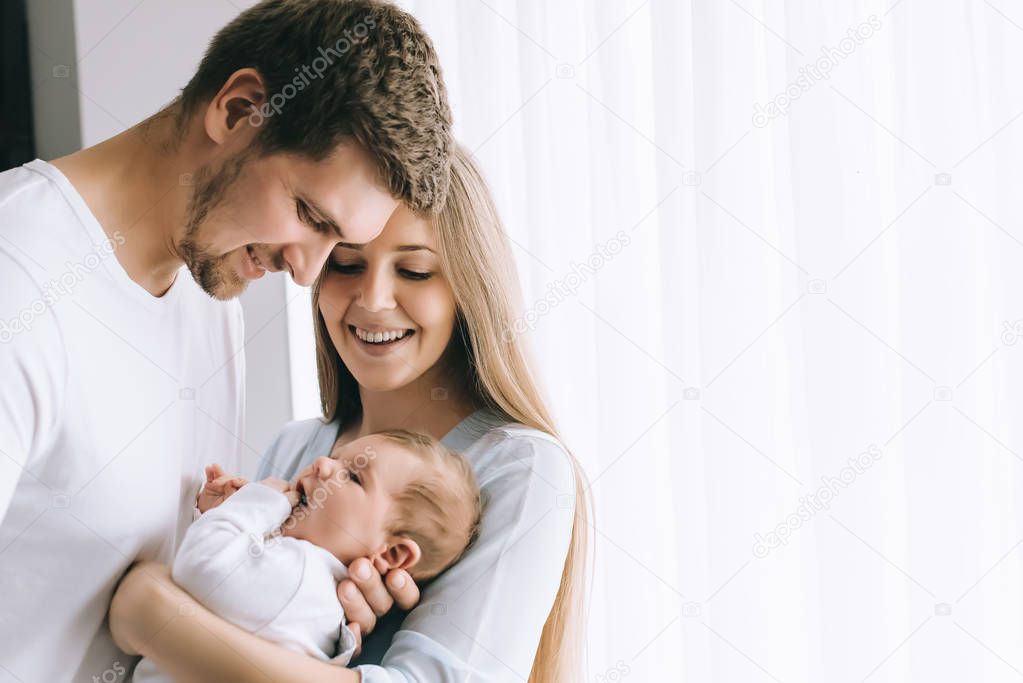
(440, 510)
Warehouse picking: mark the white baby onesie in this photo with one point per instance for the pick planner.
(277, 587)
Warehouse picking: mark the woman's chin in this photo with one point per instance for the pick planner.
(379, 382)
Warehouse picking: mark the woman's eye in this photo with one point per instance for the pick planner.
(414, 274)
(354, 477)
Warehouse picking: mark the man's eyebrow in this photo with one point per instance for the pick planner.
(324, 217)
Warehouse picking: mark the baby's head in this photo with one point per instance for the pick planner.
(401, 498)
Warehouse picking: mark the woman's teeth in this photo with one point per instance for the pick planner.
(380, 337)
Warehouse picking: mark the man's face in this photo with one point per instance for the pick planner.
(255, 214)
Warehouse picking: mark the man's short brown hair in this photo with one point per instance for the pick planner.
(338, 71)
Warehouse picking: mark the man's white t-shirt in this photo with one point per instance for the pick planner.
(111, 403)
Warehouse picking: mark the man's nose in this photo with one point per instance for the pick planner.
(306, 261)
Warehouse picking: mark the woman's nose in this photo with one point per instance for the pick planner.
(377, 292)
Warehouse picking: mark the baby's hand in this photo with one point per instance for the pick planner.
(219, 487)
(283, 487)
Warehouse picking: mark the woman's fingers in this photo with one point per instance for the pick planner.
(357, 610)
(371, 584)
(357, 632)
(403, 589)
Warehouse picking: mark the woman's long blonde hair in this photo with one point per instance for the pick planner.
(490, 361)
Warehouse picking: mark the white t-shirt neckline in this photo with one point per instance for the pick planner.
(160, 305)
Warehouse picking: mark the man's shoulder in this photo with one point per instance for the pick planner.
(40, 229)
(20, 180)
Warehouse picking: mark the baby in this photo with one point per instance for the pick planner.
(267, 556)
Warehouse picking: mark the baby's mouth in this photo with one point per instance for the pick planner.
(300, 488)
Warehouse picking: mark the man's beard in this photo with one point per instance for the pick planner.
(211, 271)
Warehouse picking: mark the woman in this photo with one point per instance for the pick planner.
(512, 607)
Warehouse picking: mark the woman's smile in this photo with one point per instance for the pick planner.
(380, 342)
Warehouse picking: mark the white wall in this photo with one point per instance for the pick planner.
(101, 66)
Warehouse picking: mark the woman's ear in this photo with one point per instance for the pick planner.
(241, 95)
(401, 553)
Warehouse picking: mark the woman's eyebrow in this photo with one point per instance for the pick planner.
(404, 247)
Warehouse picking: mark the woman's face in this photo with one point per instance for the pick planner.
(388, 309)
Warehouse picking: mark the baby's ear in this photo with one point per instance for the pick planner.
(401, 553)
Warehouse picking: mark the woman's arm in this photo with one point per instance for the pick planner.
(150, 615)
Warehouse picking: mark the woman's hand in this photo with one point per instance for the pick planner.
(366, 596)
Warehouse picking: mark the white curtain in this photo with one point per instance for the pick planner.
(783, 245)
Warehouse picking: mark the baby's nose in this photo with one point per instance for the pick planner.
(324, 466)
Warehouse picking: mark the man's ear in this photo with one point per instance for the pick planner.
(400, 553)
(241, 95)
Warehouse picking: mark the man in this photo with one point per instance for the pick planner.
(305, 124)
